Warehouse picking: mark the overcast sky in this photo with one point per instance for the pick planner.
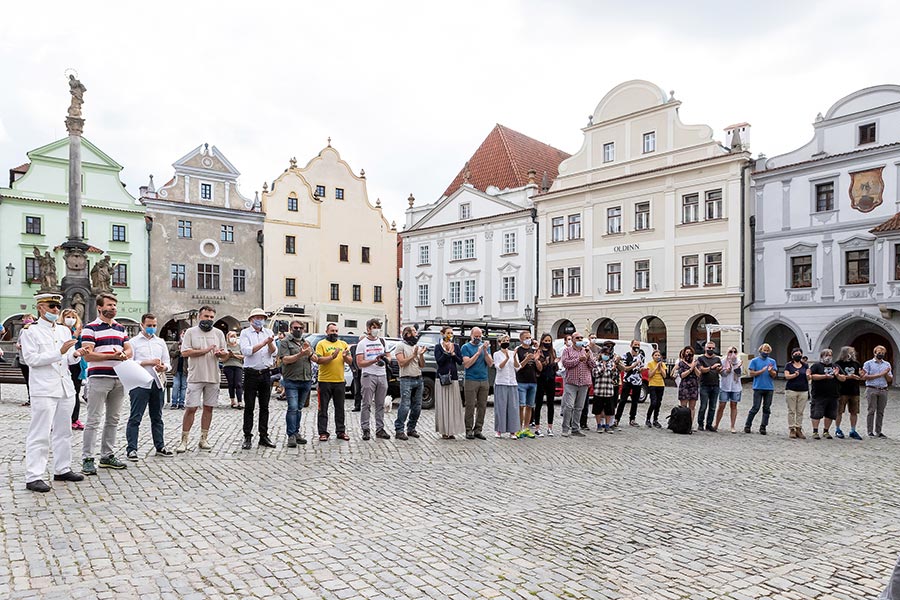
(408, 91)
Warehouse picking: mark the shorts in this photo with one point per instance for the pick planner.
(604, 406)
(527, 393)
(729, 396)
(205, 394)
(823, 408)
(850, 403)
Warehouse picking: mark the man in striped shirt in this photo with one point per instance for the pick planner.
(105, 344)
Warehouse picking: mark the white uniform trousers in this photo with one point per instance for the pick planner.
(51, 419)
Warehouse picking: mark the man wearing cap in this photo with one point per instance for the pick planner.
(48, 350)
(258, 348)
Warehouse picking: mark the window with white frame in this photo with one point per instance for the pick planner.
(614, 219)
(509, 242)
(424, 254)
(557, 229)
(456, 252)
(690, 271)
(465, 211)
(641, 275)
(574, 227)
(649, 142)
(206, 191)
(713, 205)
(614, 278)
(558, 282)
(455, 289)
(469, 248)
(641, 216)
(469, 291)
(424, 295)
(690, 208)
(713, 263)
(609, 152)
(508, 288)
(574, 281)
(226, 234)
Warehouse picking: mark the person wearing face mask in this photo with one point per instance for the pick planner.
(849, 389)
(878, 375)
(258, 349)
(372, 357)
(687, 377)
(606, 380)
(70, 319)
(824, 392)
(656, 385)
(476, 355)
(548, 365)
(296, 377)
(633, 363)
(27, 321)
(179, 373)
(151, 353)
(203, 346)
(411, 358)
(233, 367)
(506, 392)
(763, 369)
(796, 393)
(578, 361)
(331, 354)
(710, 367)
(449, 417)
(729, 387)
(105, 344)
(525, 362)
(48, 349)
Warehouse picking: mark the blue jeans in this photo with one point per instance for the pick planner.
(411, 389)
(179, 387)
(527, 393)
(296, 393)
(763, 397)
(709, 400)
(141, 398)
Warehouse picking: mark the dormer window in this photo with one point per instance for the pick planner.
(206, 191)
(465, 211)
(867, 134)
(650, 142)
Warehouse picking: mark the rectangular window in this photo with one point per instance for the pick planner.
(574, 227)
(345, 253)
(614, 278)
(641, 275)
(290, 286)
(338, 193)
(858, 267)
(867, 133)
(206, 191)
(178, 276)
(320, 191)
(227, 234)
(690, 271)
(365, 254)
(469, 287)
(207, 277)
(465, 211)
(609, 152)
(239, 280)
(713, 264)
(469, 251)
(456, 252)
(896, 262)
(455, 292)
(335, 292)
(574, 281)
(376, 295)
(424, 254)
(292, 204)
(331, 318)
(649, 142)
(557, 229)
(357, 292)
(290, 244)
(32, 270)
(508, 288)
(713, 205)
(120, 275)
(83, 231)
(33, 225)
(558, 279)
(801, 271)
(184, 229)
(641, 216)
(118, 233)
(351, 323)
(614, 219)
(690, 208)
(825, 196)
(509, 242)
(424, 295)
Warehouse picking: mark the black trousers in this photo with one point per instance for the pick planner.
(75, 371)
(546, 392)
(632, 391)
(256, 384)
(235, 377)
(656, 395)
(331, 392)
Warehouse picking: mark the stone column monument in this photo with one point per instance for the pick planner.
(76, 285)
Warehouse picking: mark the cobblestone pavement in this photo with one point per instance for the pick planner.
(638, 514)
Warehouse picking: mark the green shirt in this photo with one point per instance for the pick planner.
(300, 370)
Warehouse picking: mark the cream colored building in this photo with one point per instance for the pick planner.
(329, 254)
(643, 227)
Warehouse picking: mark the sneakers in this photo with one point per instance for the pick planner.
(292, 441)
(164, 452)
(648, 424)
(480, 436)
(577, 433)
(601, 428)
(78, 426)
(826, 435)
(566, 434)
(538, 433)
(498, 435)
(747, 429)
(871, 434)
(87, 467)
(816, 435)
(413, 434)
(854, 436)
(882, 436)
(111, 462)
(181, 447)
(549, 432)
(366, 435)
(838, 433)
(132, 455)
(657, 425)
(401, 436)
(381, 434)
(528, 433)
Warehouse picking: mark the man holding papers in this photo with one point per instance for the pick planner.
(151, 353)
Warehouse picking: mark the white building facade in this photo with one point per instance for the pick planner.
(826, 244)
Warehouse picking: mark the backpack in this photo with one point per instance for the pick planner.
(680, 420)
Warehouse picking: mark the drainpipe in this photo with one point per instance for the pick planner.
(262, 268)
(537, 269)
(148, 225)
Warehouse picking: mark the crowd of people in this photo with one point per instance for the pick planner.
(60, 353)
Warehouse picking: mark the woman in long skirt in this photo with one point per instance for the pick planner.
(506, 392)
(449, 415)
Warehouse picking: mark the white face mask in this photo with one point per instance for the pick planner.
(70, 321)
(375, 333)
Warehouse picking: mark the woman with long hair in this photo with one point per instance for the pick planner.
(688, 371)
(506, 391)
(449, 416)
(547, 365)
(70, 319)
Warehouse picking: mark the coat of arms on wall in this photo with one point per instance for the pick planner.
(866, 189)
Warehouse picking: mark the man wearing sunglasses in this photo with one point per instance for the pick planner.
(49, 349)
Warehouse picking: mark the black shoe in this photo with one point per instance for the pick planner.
(700, 427)
(292, 441)
(68, 476)
(356, 409)
(381, 434)
(265, 442)
(366, 435)
(762, 431)
(747, 429)
(413, 433)
(37, 486)
(711, 428)
(470, 436)
(401, 436)
(577, 433)
(480, 436)
(301, 440)
(248, 443)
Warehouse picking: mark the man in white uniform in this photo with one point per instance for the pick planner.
(48, 349)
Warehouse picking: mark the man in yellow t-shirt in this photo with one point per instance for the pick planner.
(331, 355)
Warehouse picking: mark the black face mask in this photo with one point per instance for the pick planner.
(636, 349)
(879, 356)
(688, 356)
(547, 344)
(797, 357)
(331, 337)
(412, 340)
(297, 334)
(504, 345)
(710, 352)
(206, 325)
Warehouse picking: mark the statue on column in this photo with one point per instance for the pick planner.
(47, 270)
(78, 305)
(77, 89)
(101, 276)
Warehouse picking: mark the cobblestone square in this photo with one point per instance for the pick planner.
(640, 514)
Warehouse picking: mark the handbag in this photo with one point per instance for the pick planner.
(445, 378)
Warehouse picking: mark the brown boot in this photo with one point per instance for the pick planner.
(793, 433)
(800, 435)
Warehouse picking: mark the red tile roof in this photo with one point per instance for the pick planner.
(504, 159)
(892, 224)
(21, 168)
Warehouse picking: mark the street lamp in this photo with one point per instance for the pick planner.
(529, 313)
(10, 269)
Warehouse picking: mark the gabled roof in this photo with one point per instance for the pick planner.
(504, 159)
(23, 168)
(892, 224)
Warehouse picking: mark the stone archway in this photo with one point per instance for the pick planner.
(782, 339)
(11, 326)
(652, 329)
(169, 331)
(562, 328)
(863, 333)
(227, 323)
(696, 333)
(606, 329)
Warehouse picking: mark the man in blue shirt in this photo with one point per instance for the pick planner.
(763, 370)
(878, 375)
(476, 355)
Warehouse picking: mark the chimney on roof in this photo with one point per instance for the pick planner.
(738, 136)
(466, 174)
(545, 182)
(149, 190)
(532, 176)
